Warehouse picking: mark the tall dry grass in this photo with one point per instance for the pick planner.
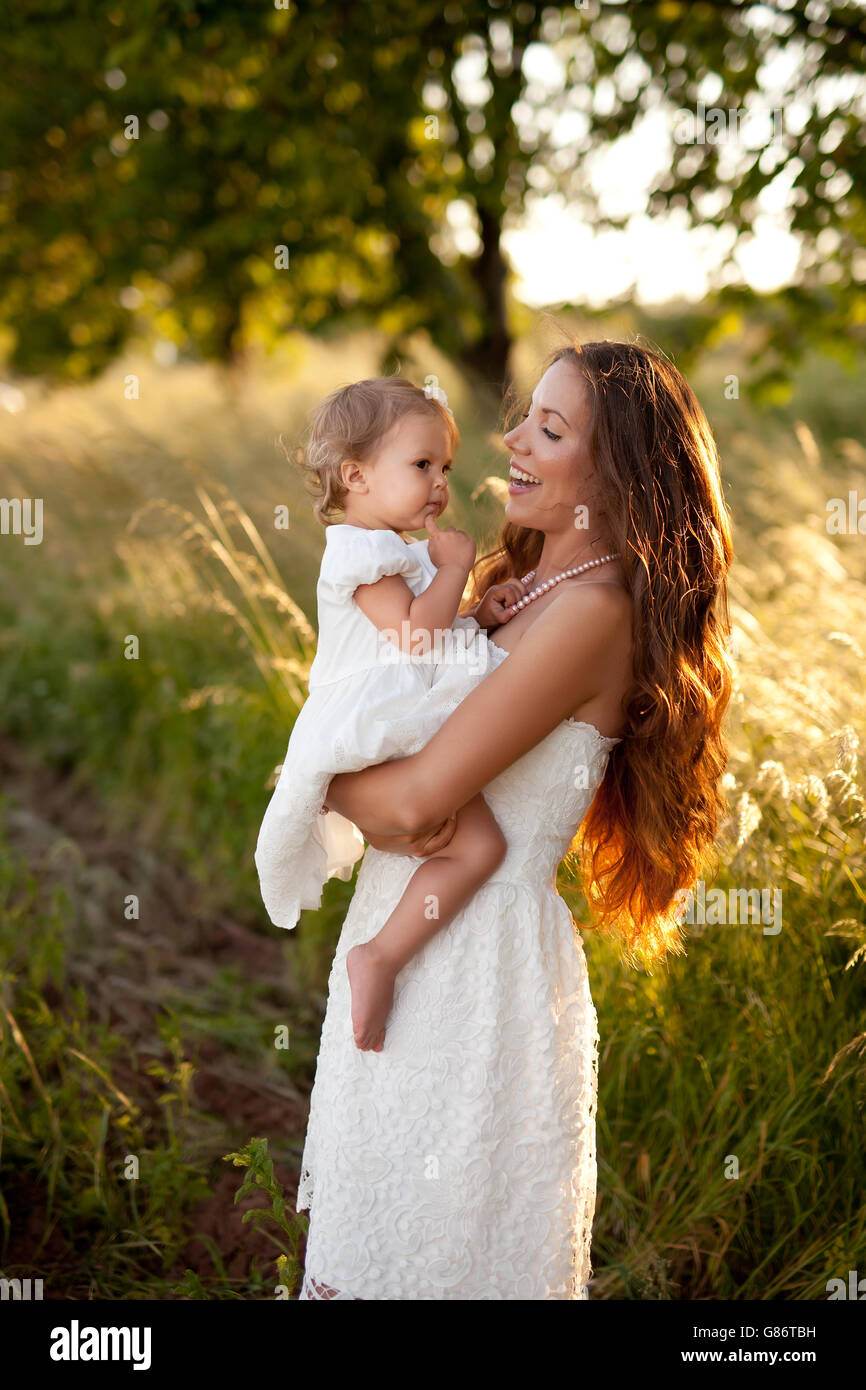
(732, 1083)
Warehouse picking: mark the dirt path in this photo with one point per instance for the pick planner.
(129, 971)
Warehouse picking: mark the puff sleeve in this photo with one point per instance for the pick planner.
(362, 557)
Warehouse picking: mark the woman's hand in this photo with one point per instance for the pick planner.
(420, 845)
(492, 610)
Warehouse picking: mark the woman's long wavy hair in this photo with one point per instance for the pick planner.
(655, 816)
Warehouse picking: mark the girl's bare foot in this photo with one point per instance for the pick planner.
(371, 981)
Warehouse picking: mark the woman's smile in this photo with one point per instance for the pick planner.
(520, 481)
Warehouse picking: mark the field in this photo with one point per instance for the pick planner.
(154, 649)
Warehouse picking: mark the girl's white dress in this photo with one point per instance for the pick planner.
(368, 702)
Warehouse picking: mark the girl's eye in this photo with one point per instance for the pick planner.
(422, 463)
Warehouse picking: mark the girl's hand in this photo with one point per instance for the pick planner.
(449, 547)
(420, 845)
(492, 610)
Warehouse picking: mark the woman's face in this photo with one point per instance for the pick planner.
(551, 446)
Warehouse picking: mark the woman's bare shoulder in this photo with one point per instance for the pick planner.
(589, 628)
(614, 615)
(604, 607)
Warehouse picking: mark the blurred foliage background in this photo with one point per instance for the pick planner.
(227, 173)
(158, 364)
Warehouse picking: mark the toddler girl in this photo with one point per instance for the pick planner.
(380, 451)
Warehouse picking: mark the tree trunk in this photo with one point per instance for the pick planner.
(488, 356)
(228, 323)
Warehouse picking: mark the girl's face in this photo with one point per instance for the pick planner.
(405, 480)
(551, 468)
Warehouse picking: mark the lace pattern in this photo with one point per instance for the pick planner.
(460, 1162)
(320, 1293)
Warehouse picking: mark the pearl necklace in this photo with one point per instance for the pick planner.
(549, 583)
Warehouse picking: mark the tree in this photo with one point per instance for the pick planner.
(231, 172)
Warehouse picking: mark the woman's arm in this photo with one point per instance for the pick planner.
(563, 660)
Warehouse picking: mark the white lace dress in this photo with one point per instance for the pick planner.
(368, 702)
(459, 1162)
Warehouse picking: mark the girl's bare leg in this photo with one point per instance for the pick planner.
(437, 891)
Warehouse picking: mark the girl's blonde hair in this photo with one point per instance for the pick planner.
(349, 424)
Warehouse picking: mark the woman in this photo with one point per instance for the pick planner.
(459, 1162)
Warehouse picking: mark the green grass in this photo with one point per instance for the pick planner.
(150, 776)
